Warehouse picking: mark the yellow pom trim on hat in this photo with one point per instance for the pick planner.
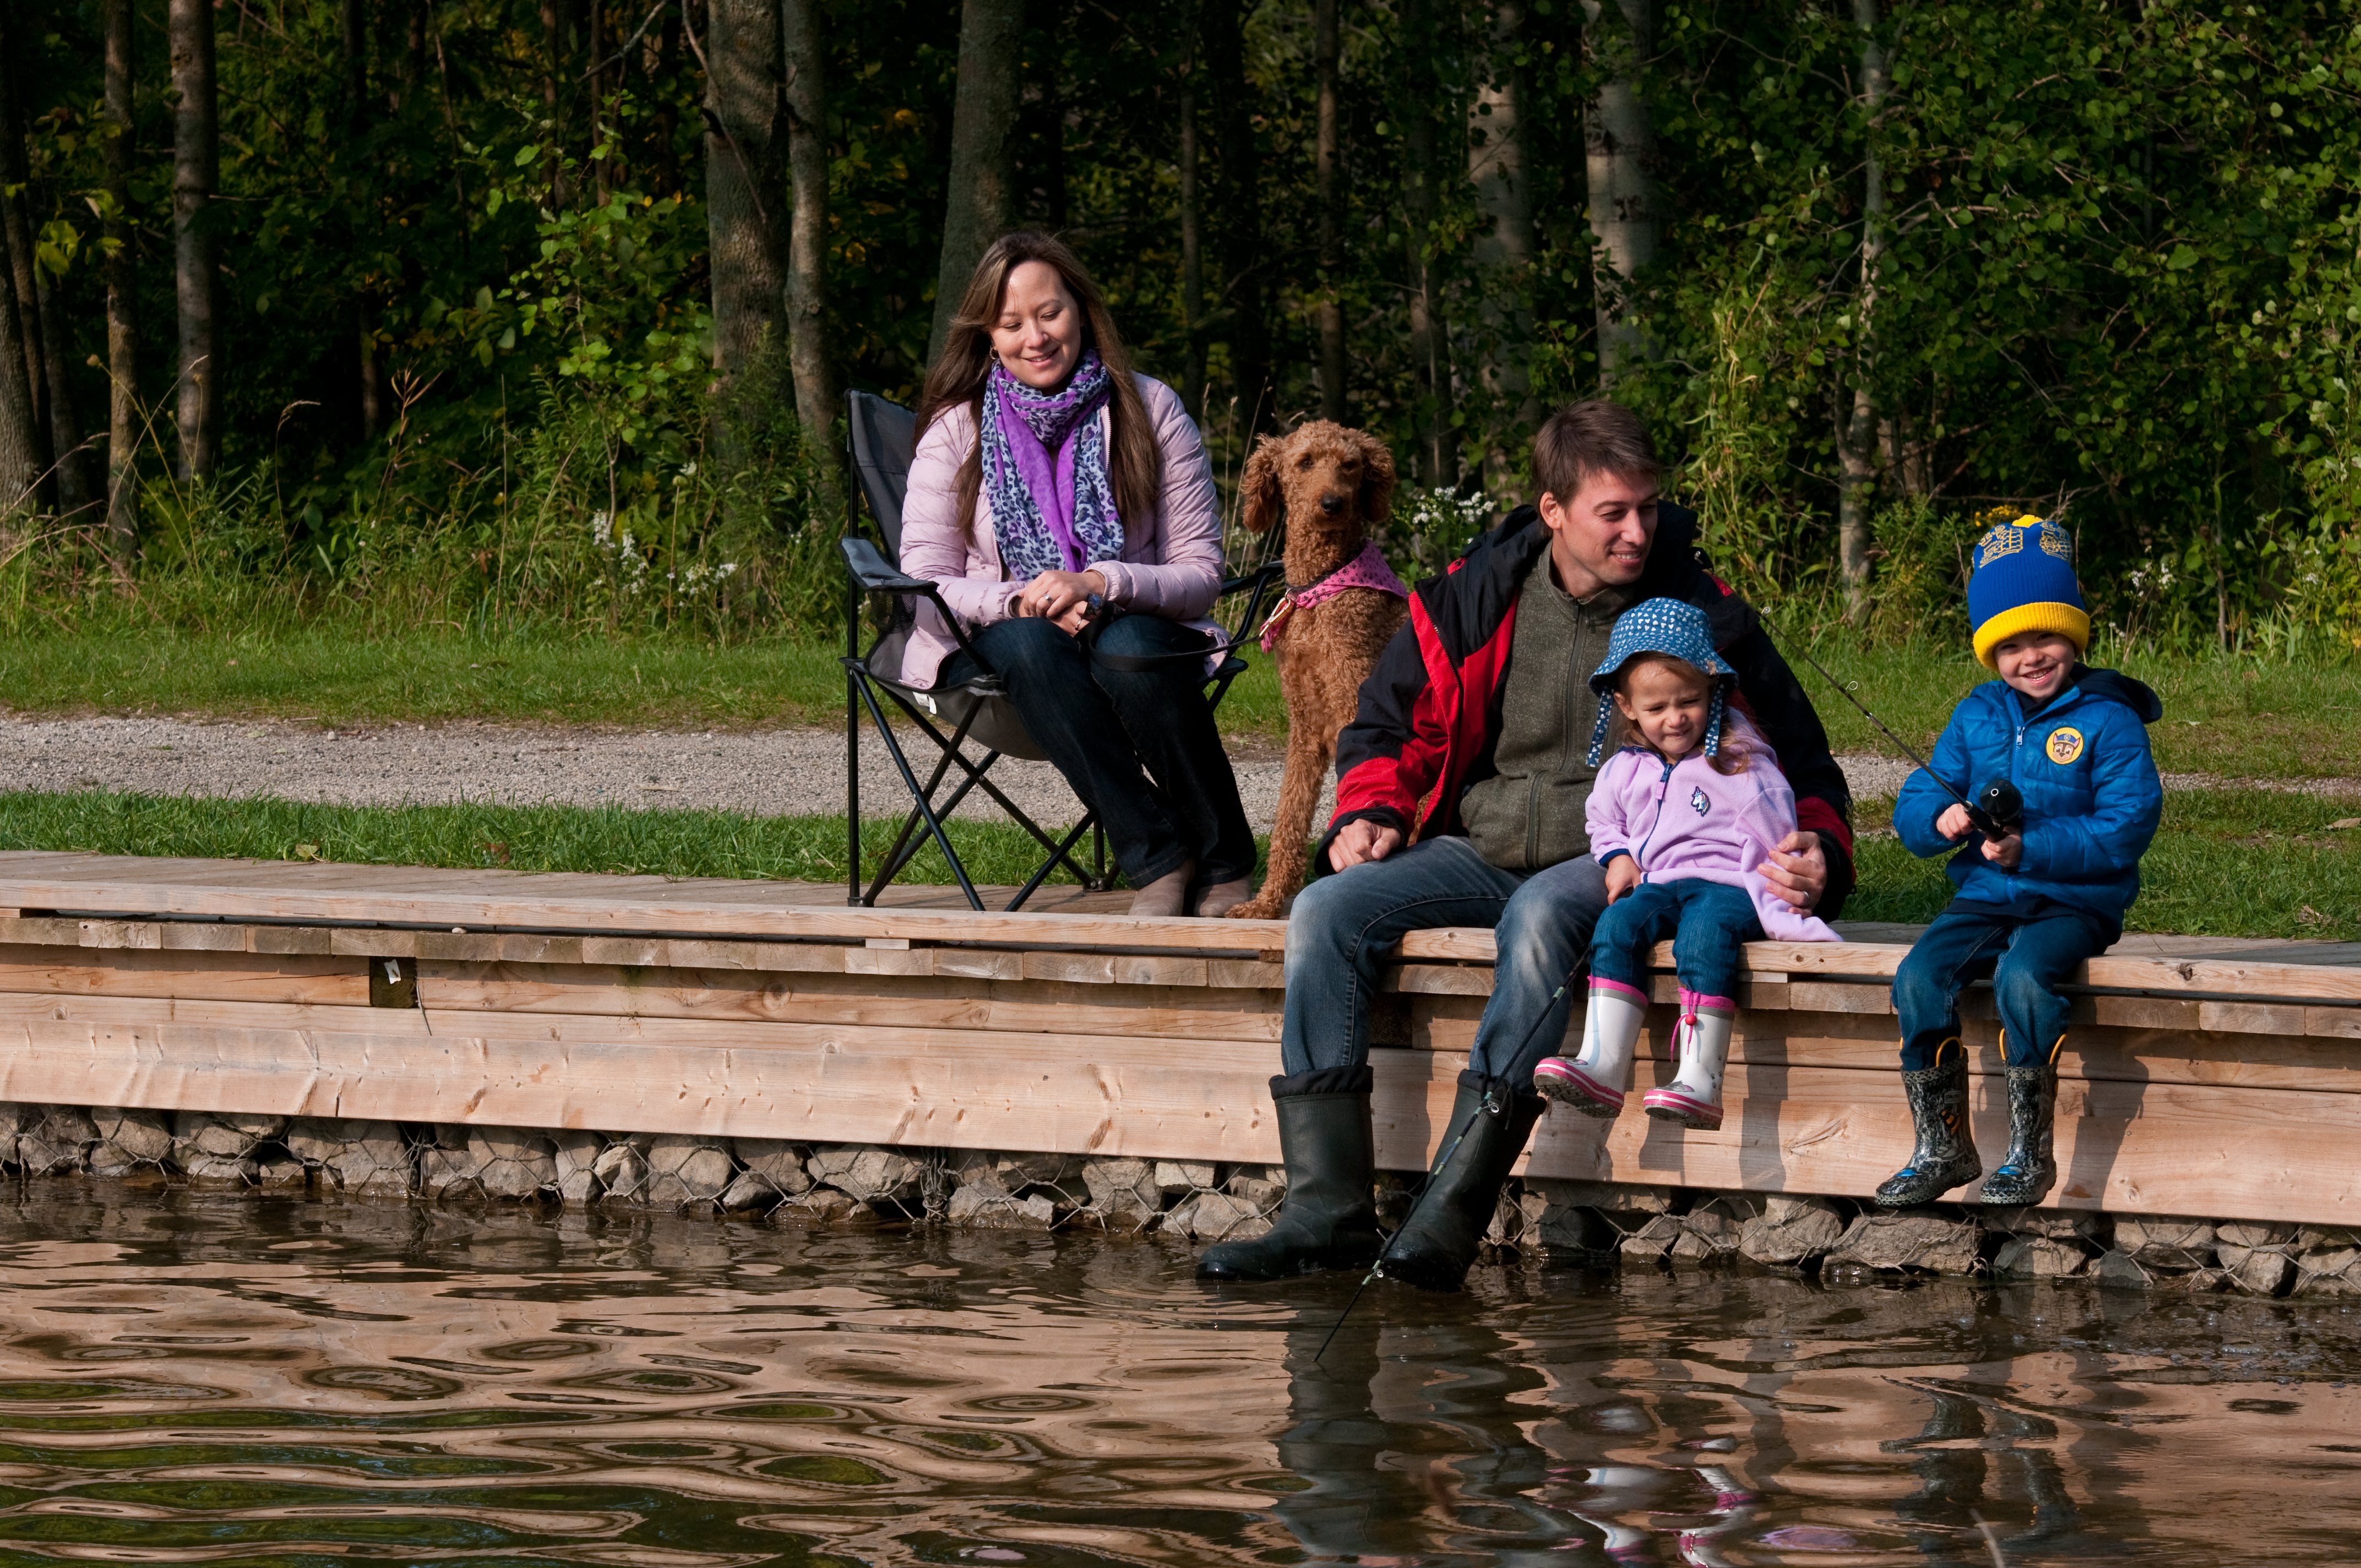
(2069, 622)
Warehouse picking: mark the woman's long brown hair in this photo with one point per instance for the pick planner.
(1134, 462)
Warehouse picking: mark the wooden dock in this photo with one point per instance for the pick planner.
(2202, 1077)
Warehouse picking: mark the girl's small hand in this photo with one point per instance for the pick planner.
(1954, 824)
(1622, 876)
(2004, 852)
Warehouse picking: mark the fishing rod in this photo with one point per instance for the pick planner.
(1998, 809)
(1443, 1159)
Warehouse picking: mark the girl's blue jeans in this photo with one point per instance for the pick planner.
(1709, 923)
(2029, 957)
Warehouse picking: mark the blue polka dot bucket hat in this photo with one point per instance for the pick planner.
(1668, 626)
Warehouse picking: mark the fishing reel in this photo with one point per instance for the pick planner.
(1998, 809)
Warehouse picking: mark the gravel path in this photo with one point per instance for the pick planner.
(770, 773)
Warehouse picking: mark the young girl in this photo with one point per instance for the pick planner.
(1680, 818)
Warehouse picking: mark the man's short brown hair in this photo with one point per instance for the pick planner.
(1589, 438)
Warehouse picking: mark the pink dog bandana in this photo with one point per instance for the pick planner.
(1366, 570)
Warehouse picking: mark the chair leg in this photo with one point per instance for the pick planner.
(1062, 852)
(918, 797)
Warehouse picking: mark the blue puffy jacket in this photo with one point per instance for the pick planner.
(2091, 797)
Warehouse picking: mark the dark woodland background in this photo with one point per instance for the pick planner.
(516, 314)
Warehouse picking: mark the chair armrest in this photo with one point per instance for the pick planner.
(877, 574)
(1261, 577)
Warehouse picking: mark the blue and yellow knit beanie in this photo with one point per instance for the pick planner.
(2024, 582)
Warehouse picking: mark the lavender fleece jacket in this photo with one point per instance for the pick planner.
(1687, 820)
(1172, 567)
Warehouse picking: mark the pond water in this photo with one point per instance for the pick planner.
(223, 1381)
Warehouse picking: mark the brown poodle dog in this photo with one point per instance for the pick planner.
(1333, 484)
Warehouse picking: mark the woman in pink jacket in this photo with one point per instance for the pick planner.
(1088, 496)
(1691, 806)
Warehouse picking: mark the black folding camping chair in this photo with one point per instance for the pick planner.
(972, 726)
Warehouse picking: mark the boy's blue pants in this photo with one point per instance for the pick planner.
(2029, 957)
(1708, 921)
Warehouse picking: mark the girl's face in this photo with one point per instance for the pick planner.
(1666, 704)
(1039, 334)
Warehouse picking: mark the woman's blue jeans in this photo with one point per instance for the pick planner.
(1138, 747)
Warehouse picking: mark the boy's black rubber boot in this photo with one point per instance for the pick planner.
(1447, 1226)
(1329, 1218)
(1946, 1155)
(2031, 1168)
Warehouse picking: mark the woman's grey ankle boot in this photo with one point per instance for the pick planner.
(1946, 1155)
(1329, 1219)
(1490, 1121)
(2030, 1169)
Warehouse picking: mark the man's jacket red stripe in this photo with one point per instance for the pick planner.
(1430, 716)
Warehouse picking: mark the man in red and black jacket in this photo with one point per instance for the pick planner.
(1462, 785)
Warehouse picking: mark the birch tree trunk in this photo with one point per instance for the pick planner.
(1438, 447)
(123, 431)
(1328, 164)
(803, 23)
(1242, 292)
(746, 207)
(1620, 160)
(196, 173)
(983, 174)
(1506, 242)
(1857, 432)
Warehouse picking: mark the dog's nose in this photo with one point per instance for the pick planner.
(1332, 503)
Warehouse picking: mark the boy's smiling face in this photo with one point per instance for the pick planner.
(2037, 664)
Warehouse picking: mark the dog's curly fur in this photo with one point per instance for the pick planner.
(1333, 484)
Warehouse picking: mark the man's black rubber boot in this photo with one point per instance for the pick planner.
(2030, 1169)
(1329, 1219)
(1490, 1121)
(1946, 1155)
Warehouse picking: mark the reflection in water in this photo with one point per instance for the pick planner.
(226, 1381)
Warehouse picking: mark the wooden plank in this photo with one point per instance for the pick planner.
(148, 972)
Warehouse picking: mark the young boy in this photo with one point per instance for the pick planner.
(2033, 904)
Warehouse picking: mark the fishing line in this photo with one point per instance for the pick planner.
(1996, 806)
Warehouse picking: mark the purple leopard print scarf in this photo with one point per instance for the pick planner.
(1045, 472)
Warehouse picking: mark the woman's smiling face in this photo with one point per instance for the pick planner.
(1039, 335)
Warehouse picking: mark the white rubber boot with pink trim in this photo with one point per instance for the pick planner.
(1701, 1045)
(1593, 1083)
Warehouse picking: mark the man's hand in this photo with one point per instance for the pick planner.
(1622, 876)
(1797, 871)
(2005, 852)
(1366, 840)
(1954, 823)
(1060, 597)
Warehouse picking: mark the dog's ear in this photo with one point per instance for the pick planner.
(1376, 479)
(1260, 490)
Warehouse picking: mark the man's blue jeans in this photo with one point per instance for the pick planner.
(2027, 958)
(1344, 926)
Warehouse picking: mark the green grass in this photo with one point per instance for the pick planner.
(437, 677)
(2224, 863)
(2233, 717)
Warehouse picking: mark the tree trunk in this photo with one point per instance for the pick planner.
(1621, 157)
(983, 174)
(122, 291)
(20, 452)
(1192, 238)
(804, 24)
(368, 402)
(746, 209)
(355, 22)
(602, 173)
(1506, 243)
(1222, 37)
(196, 172)
(67, 458)
(1328, 165)
(554, 40)
(1430, 339)
(15, 177)
(1857, 432)
(413, 53)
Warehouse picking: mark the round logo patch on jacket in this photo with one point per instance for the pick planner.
(2064, 745)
